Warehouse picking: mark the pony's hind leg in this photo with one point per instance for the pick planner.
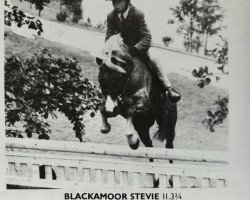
(142, 129)
(170, 145)
(171, 118)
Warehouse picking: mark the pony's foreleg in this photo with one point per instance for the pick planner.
(105, 127)
(130, 133)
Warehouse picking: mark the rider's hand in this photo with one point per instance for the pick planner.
(133, 51)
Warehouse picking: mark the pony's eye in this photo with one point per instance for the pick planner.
(114, 60)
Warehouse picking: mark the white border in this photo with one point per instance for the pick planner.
(239, 117)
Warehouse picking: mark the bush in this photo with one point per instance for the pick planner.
(12, 15)
(61, 17)
(37, 87)
(76, 9)
(170, 21)
(203, 76)
(217, 117)
(88, 20)
(101, 26)
(166, 40)
(87, 25)
(76, 18)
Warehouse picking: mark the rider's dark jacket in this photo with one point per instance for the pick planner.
(134, 30)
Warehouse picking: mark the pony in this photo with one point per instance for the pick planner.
(132, 90)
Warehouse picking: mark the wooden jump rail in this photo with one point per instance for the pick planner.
(74, 164)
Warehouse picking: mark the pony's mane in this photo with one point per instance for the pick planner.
(114, 43)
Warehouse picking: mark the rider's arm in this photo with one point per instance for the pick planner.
(144, 33)
(110, 28)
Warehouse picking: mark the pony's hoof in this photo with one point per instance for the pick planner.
(171, 181)
(156, 181)
(135, 145)
(105, 130)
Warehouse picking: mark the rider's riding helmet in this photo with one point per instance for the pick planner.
(127, 3)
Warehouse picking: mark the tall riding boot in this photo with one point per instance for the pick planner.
(173, 95)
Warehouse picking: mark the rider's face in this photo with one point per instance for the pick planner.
(119, 5)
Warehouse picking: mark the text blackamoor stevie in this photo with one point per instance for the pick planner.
(112, 196)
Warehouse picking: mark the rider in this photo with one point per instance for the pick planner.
(129, 21)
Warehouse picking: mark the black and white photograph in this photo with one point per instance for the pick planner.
(124, 99)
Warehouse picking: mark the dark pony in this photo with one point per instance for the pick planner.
(131, 90)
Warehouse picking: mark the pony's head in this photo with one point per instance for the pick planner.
(115, 55)
(115, 66)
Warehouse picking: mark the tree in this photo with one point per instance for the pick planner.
(187, 14)
(209, 15)
(39, 4)
(191, 38)
(74, 6)
(199, 17)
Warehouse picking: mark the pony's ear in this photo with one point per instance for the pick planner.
(98, 60)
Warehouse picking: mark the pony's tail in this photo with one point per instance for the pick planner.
(168, 131)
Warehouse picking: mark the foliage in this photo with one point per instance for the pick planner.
(171, 21)
(222, 59)
(18, 17)
(203, 76)
(101, 26)
(88, 20)
(199, 17)
(61, 17)
(192, 41)
(39, 4)
(222, 56)
(39, 86)
(208, 16)
(74, 6)
(76, 9)
(68, 3)
(167, 40)
(204, 79)
(217, 117)
(98, 27)
(187, 14)
(13, 133)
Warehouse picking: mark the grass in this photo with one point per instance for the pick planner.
(190, 134)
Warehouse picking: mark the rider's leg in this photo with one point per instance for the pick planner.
(173, 96)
